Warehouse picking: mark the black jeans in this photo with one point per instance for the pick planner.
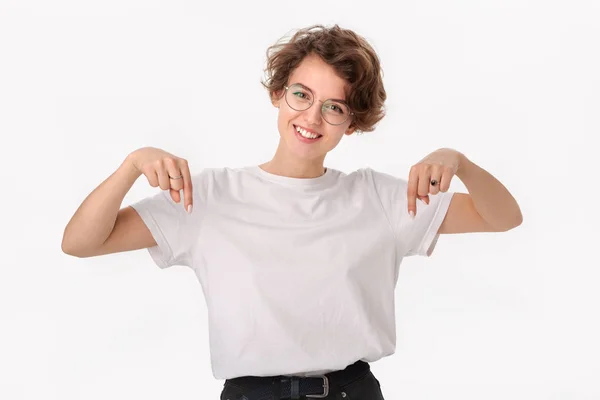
(364, 387)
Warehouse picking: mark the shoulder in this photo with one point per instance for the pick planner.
(383, 179)
(212, 173)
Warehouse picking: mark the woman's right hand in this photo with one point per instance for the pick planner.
(160, 168)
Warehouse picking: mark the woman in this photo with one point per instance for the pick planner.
(298, 262)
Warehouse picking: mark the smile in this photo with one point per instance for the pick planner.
(307, 134)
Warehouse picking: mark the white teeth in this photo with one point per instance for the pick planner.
(306, 134)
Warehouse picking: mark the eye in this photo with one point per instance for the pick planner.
(336, 108)
(302, 95)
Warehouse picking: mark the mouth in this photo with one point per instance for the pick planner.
(306, 135)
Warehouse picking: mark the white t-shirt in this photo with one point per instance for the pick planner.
(298, 274)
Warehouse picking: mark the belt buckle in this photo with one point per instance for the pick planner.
(325, 386)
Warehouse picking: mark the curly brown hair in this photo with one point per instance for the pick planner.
(348, 53)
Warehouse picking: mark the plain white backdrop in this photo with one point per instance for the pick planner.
(512, 84)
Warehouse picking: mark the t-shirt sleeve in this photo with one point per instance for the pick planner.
(417, 236)
(173, 228)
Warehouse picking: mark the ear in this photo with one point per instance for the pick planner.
(276, 98)
(350, 130)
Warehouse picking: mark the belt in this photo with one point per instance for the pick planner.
(292, 387)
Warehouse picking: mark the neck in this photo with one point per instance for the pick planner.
(294, 170)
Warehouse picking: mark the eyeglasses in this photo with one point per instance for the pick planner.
(300, 98)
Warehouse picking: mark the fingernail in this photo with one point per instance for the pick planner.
(412, 214)
(189, 209)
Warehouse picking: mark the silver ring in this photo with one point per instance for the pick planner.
(176, 177)
(433, 182)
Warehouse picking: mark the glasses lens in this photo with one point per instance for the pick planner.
(335, 113)
(298, 97)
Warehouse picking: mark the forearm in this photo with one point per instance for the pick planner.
(95, 218)
(492, 200)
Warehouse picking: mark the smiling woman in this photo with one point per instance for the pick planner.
(300, 261)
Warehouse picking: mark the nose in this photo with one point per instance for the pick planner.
(312, 116)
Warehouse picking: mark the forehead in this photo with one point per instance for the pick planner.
(320, 77)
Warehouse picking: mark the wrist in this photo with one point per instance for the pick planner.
(463, 164)
(128, 166)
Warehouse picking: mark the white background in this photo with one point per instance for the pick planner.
(512, 84)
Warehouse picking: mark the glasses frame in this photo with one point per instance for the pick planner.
(311, 104)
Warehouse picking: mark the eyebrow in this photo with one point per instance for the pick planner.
(338, 100)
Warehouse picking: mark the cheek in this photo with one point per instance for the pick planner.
(335, 139)
(284, 121)
(285, 117)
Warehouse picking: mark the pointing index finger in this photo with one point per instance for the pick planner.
(188, 189)
(413, 183)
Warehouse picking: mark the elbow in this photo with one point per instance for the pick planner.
(506, 223)
(65, 247)
(67, 250)
(70, 250)
(517, 221)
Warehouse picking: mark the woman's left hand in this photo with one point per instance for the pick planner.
(439, 166)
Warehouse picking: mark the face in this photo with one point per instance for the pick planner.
(324, 83)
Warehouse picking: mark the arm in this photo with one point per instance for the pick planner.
(488, 207)
(99, 227)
